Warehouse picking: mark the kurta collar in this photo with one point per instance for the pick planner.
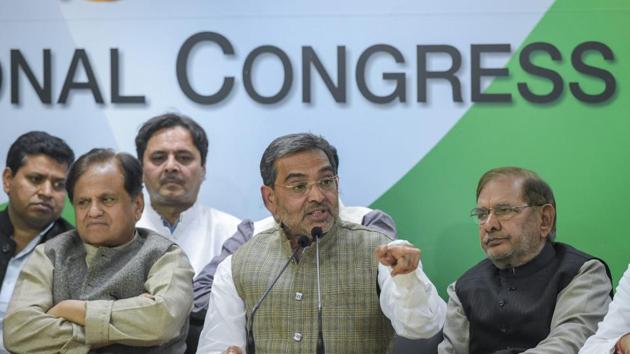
(110, 250)
(184, 217)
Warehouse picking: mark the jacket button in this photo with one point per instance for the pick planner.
(501, 303)
(6, 248)
(297, 336)
(299, 296)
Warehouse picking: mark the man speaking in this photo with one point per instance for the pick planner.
(334, 294)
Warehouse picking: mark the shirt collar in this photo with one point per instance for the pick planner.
(168, 225)
(34, 242)
(188, 214)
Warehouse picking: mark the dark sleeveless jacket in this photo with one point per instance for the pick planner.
(513, 308)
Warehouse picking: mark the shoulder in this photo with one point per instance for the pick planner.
(5, 221)
(153, 237)
(357, 231)
(220, 218)
(264, 225)
(261, 239)
(267, 232)
(577, 260)
(623, 289)
(64, 239)
(150, 218)
(61, 244)
(6, 228)
(353, 214)
(216, 213)
(483, 269)
(564, 250)
(157, 249)
(63, 225)
(60, 226)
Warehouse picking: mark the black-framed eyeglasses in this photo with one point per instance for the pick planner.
(501, 212)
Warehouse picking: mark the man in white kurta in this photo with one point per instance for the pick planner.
(173, 150)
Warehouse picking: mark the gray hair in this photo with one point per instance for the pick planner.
(289, 145)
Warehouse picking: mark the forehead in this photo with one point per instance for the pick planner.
(99, 178)
(171, 139)
(501, 189)
(304, 163)
(43, 164)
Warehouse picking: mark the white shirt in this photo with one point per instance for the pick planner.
(410, 301)
(616, 323)
(200, 231)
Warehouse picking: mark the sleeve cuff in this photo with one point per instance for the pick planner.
(97, 317)
(77, 345)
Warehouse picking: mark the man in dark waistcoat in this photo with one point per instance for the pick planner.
(107, 287)
(531, 294)
(34, 180)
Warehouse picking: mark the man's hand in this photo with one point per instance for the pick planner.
(71, 310)
(233, 350)
(623, 346)
(402, 258)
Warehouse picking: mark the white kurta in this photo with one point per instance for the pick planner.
(200, 231)
(616, 323)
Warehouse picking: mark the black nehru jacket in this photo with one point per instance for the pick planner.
(512, 308)
(7, 244)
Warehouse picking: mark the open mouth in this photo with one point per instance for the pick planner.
(318, 214)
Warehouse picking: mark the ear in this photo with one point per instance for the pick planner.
(203, 174)
(138, 206)
(269, 198)
(547, 219)
(7, 177)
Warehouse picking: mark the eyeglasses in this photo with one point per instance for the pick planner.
(326, 184)
(501, 212)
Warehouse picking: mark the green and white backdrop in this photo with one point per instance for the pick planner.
(420, 98)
